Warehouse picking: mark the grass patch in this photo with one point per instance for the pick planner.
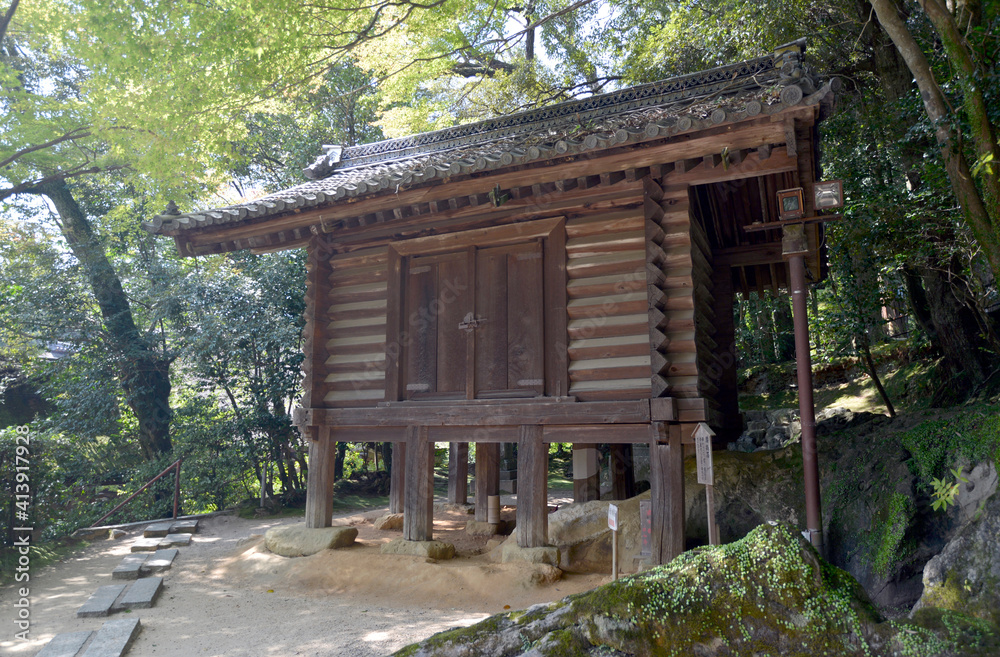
(354, 502)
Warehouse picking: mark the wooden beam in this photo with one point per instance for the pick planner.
(487, 413)
(595, 434)
(458, 473)
(319, 483)
(397, 481)
(418, 517)
(532, 488)
(586, 473)
(666, 456)
(487, 476)
(494, 236)
(622, 472)
(556, 366)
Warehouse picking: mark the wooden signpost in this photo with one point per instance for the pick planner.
(703, 455)
(613, 524)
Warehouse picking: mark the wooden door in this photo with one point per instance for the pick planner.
(478, 340)
(509, 353)
(438, 297)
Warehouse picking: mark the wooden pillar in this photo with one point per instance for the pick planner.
(487, 476)
(622, 472)
(418, 514)
(586, 473)
(532, 488)
(319, 484)
(666, 457)
(397, 481)
(458, 473)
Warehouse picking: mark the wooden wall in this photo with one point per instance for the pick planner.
(607, 306)
(355, 367)
(621, 262)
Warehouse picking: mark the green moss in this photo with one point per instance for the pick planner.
(935, 445)
(768, 593)
(889, 529)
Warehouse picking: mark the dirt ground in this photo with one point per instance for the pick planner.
(227, 595)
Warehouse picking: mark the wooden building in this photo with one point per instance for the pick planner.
(565, 274)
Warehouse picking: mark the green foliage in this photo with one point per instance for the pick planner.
(945, 492)
(970, 437)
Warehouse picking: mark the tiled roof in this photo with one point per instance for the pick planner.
(760, 86)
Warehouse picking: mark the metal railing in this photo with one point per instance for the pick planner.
(176, 466)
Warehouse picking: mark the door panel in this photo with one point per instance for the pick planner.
(491, 307)
(420, 329)
(525, 362)
(453, 303)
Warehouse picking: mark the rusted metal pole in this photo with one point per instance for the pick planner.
(133, 495)
(807, 411)
(177, 487)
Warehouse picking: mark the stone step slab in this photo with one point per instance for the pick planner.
(100, 603)
(184, 527)
(114, 638)
(157, 529)
(65, 645)
(142, 594)
(146, 544)
(130, 566)
(173, 540)
(159, 561)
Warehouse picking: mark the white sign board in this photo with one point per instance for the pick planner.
(613, 517)
(703, 454)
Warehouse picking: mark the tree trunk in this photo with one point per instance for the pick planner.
(920, 306)
(866, 355)
(784, 329)
(976, 211)
(143, 373)
(338, 463)
(957, 326)
(972, 98)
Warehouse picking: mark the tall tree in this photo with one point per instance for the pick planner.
(981, 207)
(49, 144)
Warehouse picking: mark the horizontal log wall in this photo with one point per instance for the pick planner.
(355, 367)
(607, 306)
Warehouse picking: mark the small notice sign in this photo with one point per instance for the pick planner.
(703, 454)
(613, 517)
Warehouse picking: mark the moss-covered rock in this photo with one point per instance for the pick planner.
(767, 594)
(966, 575)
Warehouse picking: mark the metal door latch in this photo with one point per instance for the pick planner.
(470, 323)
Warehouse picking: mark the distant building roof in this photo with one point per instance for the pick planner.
(761, 86)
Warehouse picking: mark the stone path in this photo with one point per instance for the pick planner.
(140, 591)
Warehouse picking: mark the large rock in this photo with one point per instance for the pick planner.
(581, 533)
(509, 551)
(429, 549)
(389, 522)
(300, 541)
(768, 594)
(966, 575)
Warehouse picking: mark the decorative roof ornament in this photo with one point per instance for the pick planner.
(326, 163)
(172, 209)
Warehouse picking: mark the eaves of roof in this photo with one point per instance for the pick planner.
(758, 87)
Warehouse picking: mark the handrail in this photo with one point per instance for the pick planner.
(176, 465)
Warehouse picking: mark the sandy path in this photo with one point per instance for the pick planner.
(226, 595)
